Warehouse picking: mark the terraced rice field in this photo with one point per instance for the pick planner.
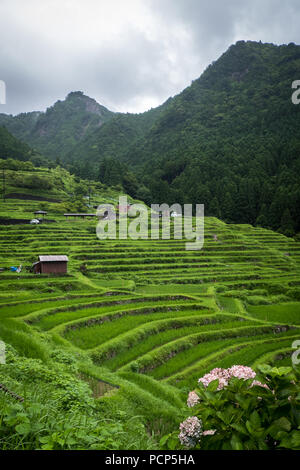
(150, 313)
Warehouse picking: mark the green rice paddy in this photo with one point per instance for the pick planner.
(147, 314)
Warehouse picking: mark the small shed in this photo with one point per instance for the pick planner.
(51, 264)
(81, 215)
(41, 213)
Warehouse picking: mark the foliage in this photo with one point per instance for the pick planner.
(58, 411)
(228, 141)
(11, 148)
(61, 127)
(247, 415)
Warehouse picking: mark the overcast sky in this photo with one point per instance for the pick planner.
(130, 55)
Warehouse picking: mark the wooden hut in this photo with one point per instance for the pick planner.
(80, 215)
(51, 264)
(40, 213)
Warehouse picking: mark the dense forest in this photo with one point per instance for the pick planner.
(228, 141)
(61, 127)
(10, 147)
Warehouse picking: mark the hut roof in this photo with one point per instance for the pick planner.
(50, 258)
(79, 214)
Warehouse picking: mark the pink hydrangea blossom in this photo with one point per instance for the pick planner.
(209, 432)
(193, 399)
(242, 372)
(224, 375)
(190, 431)
(259, 384)
(216, 374)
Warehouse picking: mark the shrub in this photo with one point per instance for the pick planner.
(232, 411)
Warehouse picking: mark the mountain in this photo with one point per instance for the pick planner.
(55, 132)
(229, 141)
(116, 136)
(10, 147)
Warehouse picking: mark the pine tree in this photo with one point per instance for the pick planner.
(287, 224)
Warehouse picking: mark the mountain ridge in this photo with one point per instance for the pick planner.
(60, 127)
(229, 140)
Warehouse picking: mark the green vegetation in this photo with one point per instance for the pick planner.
(10, 147)
(61, 127)
(232, 411)
(113, 346)
(229, 140)
(119, 343)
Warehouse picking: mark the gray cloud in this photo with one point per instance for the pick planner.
(129, 56)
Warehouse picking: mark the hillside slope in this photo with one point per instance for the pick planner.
(62, 126)
(10, 147)
(136, 323)
(231, 141)
(116, 136)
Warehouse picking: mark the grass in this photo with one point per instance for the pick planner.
(51, 318)
(147, 316)
(288, 312)
(92, 336)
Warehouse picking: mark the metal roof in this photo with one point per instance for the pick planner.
(79, 214)
(50, 258)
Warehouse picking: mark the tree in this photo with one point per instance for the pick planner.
(287, 226)
(214, 208)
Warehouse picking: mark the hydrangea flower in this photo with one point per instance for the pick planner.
(216, 374)
(259, 384)
(209, 432)
(190, 431)
(224, 375)
(193, 399)
(242, 372)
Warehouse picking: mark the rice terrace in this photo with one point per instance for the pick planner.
(130, 327)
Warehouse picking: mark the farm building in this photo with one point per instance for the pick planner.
(51, 264)
(41, 213)
(79, 215)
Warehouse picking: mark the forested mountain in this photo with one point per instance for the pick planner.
(55, 132)
(230, 140)
(10, 147)
(115, 137)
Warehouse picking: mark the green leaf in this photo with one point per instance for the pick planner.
(283, 424)
(23, 428)
(240, 428)
(278, 427)
(212, 387)
(236, 442)
(164, 439)
(255, 420)
(291, 441)
(249, 427)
